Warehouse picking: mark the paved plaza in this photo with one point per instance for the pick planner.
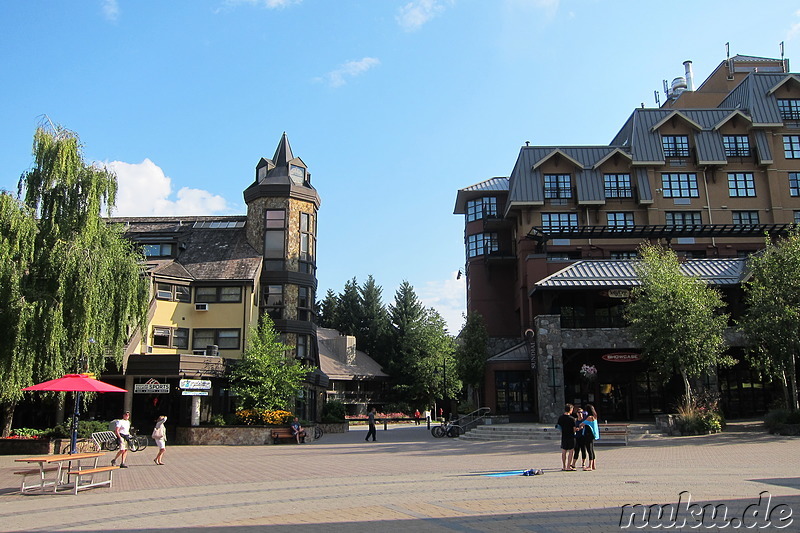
(409, 481)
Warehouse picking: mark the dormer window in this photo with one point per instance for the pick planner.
(557, 186)
(158, 250)
(481, 208)
(261, 173)
(675, 145)
(297, 174)
(789, 108)
(736, 145)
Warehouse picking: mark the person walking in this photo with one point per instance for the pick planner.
(591, 434)
(160, 437)
(371, 420)
(567, 426)
(122, 430)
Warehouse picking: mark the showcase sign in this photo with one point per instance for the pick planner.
(195, 384)
(621, 357)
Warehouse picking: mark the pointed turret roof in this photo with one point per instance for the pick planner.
(283, 153)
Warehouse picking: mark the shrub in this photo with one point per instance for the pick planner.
(700, 415)
(28, 433)
(775, 418)
(333, 411)
(218, 420)
(256, 417)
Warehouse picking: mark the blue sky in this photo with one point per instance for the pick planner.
(393, 105)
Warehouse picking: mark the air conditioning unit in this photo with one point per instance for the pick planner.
(149, 349)
(201, 307)
(198, 352)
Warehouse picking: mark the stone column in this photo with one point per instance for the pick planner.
(550, 375)
(195, 411)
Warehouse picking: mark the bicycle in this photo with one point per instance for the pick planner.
(81, 446)
(137, 442)
(318, 432)
(447, 428)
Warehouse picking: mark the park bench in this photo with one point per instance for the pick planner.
(90, 472)
(613, 434)
(39, 475)
(286, 433)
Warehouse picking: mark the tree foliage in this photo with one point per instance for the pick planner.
(348, 311)
(73, 286)
(676, 318)
(373, 332)
(771, 322)
(265, 377)
(328, 308)
(433, 365)
(471, 352)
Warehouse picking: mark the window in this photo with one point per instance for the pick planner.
(623, 255)
(797, 217)
(171, 337)
(621, 219)
(304, 302)
(683, 218)
(679, 185)
(513, 391)
(174, 293)
(218, 294)
(307, 237)
(559, 220)
(481, 208)
(273, 301)
(226, 339)
(794, 183)
(563, 256)
(736, 145)
(789, 108)
(791, 146)
(741, 184)
(481, 244)
(275, 233)
(302, 347)
(618, 185)
(557, 186)
(157, 250)
(675, 145)
(745, 218)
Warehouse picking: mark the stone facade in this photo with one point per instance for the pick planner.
(550, 368)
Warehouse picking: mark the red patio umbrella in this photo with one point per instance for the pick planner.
(76, 383)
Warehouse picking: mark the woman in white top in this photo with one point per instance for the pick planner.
(160, 436)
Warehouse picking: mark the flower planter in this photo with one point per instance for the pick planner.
(239, 435)
(28, 446)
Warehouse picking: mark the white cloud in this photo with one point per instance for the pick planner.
(794, 30)
(144, 190)
(111, 10)
(415, 14)
(448, 297)
(351, 69)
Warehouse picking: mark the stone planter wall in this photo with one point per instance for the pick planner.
(342, 427)
(29, 446)
(240, 435)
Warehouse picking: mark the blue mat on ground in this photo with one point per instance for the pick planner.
(528, 472)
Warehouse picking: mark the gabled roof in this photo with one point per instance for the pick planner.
(621, 274)
(793, 78)
(491, 187)
(363, 367)
(557, 152)
(610, 154)
(735, 113)
(676, 114)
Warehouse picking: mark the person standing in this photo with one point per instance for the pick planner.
(580, 441)
(591, 434)
(160, 437)
(567, 426)
(122, 430)
(371, 420)
(416, 417)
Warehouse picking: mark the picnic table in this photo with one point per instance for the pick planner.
(76, 465)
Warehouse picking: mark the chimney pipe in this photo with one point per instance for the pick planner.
(689, 76)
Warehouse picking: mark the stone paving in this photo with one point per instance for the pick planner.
(410, 481)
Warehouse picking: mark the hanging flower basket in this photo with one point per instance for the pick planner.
(589, 372)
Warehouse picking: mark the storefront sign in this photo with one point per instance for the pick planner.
(151, 387)
(621, 357)
(194, 393)
(195, 384)
(530, 344)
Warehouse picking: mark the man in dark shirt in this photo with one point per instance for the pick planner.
(567, 426)
(371, 421)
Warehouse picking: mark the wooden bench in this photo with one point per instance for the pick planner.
(286, 433)
(40, 476)
(613, 434)
(91, 472)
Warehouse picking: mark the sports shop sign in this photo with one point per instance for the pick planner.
(151, 386)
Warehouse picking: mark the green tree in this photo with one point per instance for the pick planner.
(348, 312)
(373, 333)
(72, 285)
(328, 309)
(471, 353)
(265, 377)
(676, 318)
(434, 368)
(771, 322)
(406, 314)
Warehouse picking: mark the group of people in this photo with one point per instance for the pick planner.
(579, 430)
(122, 430)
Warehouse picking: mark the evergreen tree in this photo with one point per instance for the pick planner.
(328, 310)
(373, 334)
(348, 315)
(74, 285)
(435, 372)
(772, 320)
(407, 315)
(265, 377)
(676, 318)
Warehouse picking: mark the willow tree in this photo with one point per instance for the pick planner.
(75, 284)
(676, 318)
(772, 321)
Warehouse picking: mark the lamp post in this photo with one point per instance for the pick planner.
(83, 366)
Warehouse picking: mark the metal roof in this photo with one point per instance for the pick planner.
(497, 186)
(657, 231)
(610, 274)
